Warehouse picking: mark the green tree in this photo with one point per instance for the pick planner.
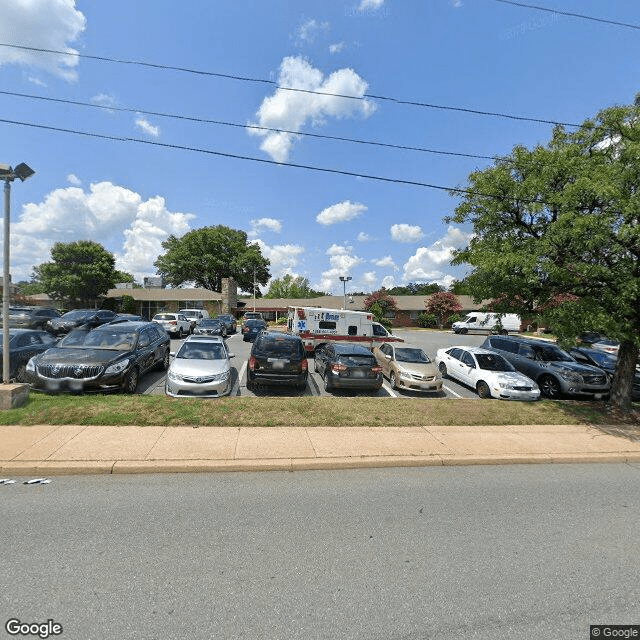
(379, 303)
(442, 304)
(416, 289)
(79, 272)
(290, 287)
(30, 288)
(206, 256)
(557, 229)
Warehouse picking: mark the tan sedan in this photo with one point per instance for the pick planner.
(408, 368)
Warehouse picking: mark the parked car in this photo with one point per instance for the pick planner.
(128, 317)
(348, 366)
(607, 362)
(195, 316)
(31, 317)
(606, 346)
(250, 315)
(200, 368)
(72, 319)
(211, 327)
(23, 345)
(487, 372)
(408, 368)
(175, 324)
(112, 356)
(251, 328)
(230, 322)
(554, 370)
(277, 358)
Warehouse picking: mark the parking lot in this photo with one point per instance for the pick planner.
(429, 341)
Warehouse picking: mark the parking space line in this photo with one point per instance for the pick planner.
(451, 391)
(389, 390)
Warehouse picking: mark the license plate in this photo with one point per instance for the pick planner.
(358, 374)
(598, 396)
(277, 363)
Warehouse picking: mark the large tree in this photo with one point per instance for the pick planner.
(290, 287)
(442, 304)
(557, 229)
(79, 272)
(206, 256)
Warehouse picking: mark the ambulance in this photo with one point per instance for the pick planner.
(317, 326)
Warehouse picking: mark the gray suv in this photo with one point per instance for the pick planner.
(555, 371)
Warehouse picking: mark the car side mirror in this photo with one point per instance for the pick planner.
(387, 356)
(232, 355)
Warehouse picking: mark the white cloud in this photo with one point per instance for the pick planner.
(309, 30)
(406, 233)
(336, 47)
(42, 24)
(144, 125)
(74, 180)
(342, 263)
(111, 215)
(388, 282)
(386, 262)
(283, 257)
(425, 265)
(364, 237)
(340, 212)
(37, 81)
(369, 279)
(104, 100)
(365, 5)
(292, 110)
(262, 224)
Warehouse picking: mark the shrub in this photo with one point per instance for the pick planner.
(427, 320)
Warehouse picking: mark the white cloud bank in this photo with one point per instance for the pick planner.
(111, 215)
(264, 224)
(146, 127)
(406, 233)
(292, 110)
(41, 24)
(340, 212)
(342, 262)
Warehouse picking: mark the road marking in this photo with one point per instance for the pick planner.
(389, 390)
(451, 391)
(242, 372)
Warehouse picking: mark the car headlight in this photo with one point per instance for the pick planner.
(571, 376)
(118, 367)
(31, 365)
(172, 375)
(221, 376)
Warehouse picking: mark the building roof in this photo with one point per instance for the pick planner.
(154, 294)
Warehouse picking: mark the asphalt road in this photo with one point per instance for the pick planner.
(430, 341)
(490, 553)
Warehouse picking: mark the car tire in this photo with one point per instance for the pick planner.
(483, 390)
(130, 382)
(549, 387)
(443, 369)
(224, 332)
(327, 384)
(464, 331)
(392, 381)
(504, 332)
(163, 365)
(21, 373)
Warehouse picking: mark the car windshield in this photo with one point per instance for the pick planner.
(493, 362)
(164, 316)
(552, 354)
(202, 351)
(412, 355)
(255, 323)
(112, 340)
(19, 312)
(279, 347)
(77, 315)
(601, 358)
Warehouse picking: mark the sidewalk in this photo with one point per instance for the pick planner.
(49, 450)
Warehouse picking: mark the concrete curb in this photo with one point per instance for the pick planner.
(59, 468)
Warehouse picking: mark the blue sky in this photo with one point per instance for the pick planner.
(472, 54)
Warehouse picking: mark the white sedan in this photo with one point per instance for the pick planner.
(487, 372)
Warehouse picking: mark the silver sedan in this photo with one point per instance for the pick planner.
(200, 368)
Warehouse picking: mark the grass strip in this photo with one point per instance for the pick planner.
(140, 410)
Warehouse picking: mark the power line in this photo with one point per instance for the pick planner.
(568, 13)
(244, 126)
(228, 76)
(234, 156)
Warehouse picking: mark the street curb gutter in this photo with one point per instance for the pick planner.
(301, 464)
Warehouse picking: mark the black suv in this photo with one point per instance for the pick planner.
(555, 371)
(31, 317)
(348, 366)
(277, 358)
(112, 356)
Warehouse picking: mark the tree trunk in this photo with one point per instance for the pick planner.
(623, 378)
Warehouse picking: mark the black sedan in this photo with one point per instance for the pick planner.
(77, 318)
(112, 356)
(230, 322)
(23, 345)
(606, 361)
(211, 327)
(348, 366)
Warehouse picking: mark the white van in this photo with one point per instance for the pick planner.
(195, 316)
(317, 326)
(481, 322)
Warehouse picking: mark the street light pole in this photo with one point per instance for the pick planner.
(344, 280)
(8, 174)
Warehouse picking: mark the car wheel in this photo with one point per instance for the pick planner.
(463, 331)
(130, 382)
(163, 365)
(443, 369)
(549, 386)
(21, 373)
(483, 390)
(504, 332)
(180, 333)
(327, 384)
(392, 381)
(224, 332)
